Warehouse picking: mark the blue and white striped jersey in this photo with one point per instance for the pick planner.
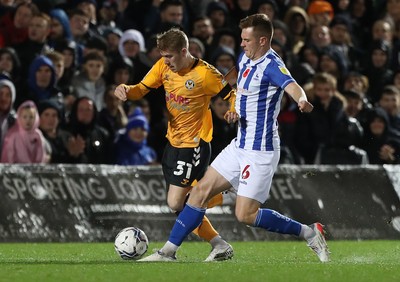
(260, 87)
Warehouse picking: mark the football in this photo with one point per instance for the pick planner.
(131, 243)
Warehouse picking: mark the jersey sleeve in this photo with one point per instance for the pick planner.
(152, 80)
(279, 74)
(213, 81)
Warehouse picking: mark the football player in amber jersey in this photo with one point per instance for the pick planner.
(189, 85)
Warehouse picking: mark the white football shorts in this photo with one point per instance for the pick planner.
(249, 172)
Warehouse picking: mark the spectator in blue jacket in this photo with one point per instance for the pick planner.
(131, 146)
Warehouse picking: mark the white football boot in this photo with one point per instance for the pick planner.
(158, 257)
(220, 252)
(318, 243)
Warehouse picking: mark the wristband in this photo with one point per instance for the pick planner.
(302, 98)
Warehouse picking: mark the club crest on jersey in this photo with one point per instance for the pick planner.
(246, 73)
(189, 84)
(284, 70)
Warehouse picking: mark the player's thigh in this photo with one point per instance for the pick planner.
(227, 164)
(257, 171)
(181, 166)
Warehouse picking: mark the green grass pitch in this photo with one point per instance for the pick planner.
(253, 261)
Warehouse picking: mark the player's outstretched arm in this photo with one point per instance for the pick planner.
(131, 92)
(298, 94)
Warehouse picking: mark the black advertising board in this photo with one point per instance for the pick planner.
(62, 203)
(81, 203)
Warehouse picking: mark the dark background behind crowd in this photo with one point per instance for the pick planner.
(67, 57)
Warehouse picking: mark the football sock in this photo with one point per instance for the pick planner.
(306, 232)
(215, 201)
(227, 198)
(205, 230)
(169, 249)
(275, 222)
(217, 240)
(189, 218)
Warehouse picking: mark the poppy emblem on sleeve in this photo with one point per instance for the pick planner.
(246, 73)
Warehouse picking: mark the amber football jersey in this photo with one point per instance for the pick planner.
(187, 95)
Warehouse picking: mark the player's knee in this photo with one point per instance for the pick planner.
(198, 196)
(245, 217)
(175, 205)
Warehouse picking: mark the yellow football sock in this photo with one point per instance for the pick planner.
(215, 201)
(205, 230)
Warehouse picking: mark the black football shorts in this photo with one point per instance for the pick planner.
(181, 166)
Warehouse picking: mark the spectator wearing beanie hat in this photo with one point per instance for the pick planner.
(60, 28)
(196, 48)
(340, 29)
(107, 15)
(96, 44)
(377, 68)
(320, 12)
(89, 8)
(131, 145)
(112, 35)
(226, 37)
(223, 58)
(7, 113)
(298, 23)
(218, 14)
(267, 7)
(332, 61)
(132, 45)
(57, 139)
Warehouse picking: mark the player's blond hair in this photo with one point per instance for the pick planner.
(172, 40)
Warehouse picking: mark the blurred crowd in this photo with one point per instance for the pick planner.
(60, 62)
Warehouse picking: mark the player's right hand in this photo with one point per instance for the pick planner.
(231, 117)
(121, 91)
(305, 107)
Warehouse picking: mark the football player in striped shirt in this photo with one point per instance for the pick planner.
(249, 162)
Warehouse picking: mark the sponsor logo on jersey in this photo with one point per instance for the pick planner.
(189, 84)
(177, 102)
(171, 97)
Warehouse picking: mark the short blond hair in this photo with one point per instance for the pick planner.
(172, 40)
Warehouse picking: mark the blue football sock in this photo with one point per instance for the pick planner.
(189, 218)
(276, 222)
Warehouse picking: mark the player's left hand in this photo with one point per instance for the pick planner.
(231, 117)
(305, 106)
